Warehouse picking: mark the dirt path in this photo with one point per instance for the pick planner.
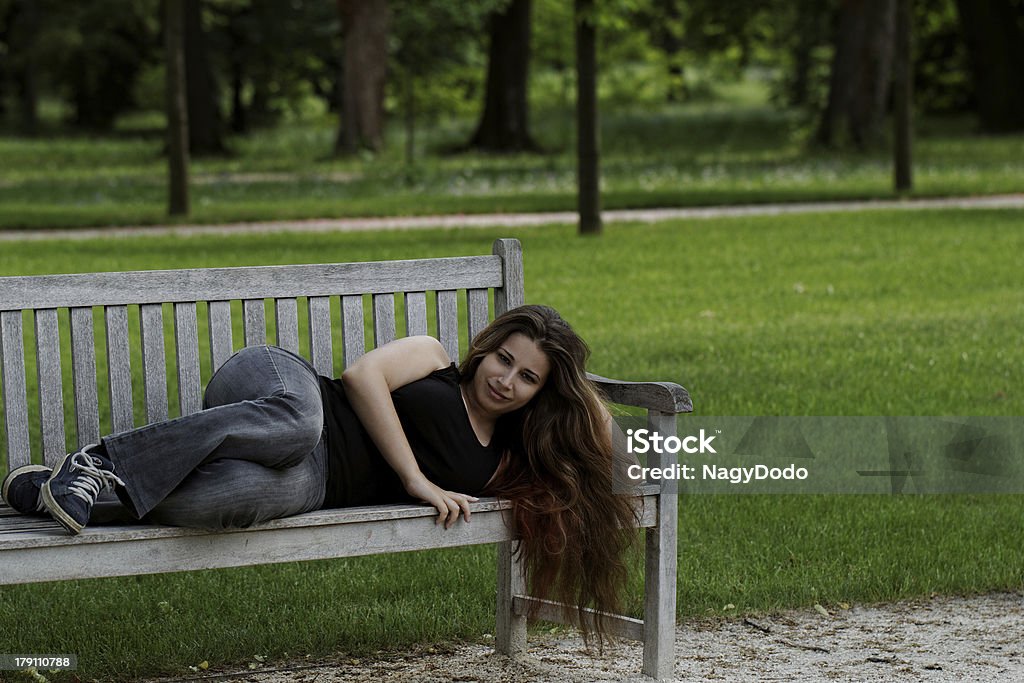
(1013, 201)
(936, 640)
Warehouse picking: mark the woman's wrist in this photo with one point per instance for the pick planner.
(412, 476)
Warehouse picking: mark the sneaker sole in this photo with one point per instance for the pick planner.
(63, 518)
(18, 471)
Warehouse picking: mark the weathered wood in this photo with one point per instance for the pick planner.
(119, 369)
(415, 313)
(352, 328)
(83, 366)
(141, 549)
(224, 284)
(509, 293)
(448, 322)
(51, 398)
(254, 322)
(186, 344)
(12, 349)
(154, 362)
(663, 396)
(476, 304)
(660, 565)
(221, 342)
(286, 317)
(321, 350)
(510, 625)
(548, 610)
(383, 319)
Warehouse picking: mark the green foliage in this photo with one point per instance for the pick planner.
(93, 53)
(942, 75)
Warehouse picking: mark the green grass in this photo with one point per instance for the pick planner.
(723, 152)
(881, 313)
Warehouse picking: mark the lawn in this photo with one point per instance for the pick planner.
(731, 151)
(879, 313)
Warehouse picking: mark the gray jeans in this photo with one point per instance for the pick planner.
(255, 452)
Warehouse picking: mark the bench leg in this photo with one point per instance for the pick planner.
(510, 631)
(660, 571)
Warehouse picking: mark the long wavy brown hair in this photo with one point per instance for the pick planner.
(557, 471)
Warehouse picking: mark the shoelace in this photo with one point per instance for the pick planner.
(40, 507)
(88, 485)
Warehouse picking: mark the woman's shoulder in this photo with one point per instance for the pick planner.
(449, 374)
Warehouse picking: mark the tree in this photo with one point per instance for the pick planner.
(23, 28)
(272, 56)
(177, 109)
(861, 73)
(205, 129)
(903, 98)
(366, 28)
(105, 44)
(587, 140)
(994, 33)
(504, 124)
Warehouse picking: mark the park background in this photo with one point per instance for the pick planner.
(907, 311)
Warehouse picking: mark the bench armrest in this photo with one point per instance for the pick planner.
(667, 397)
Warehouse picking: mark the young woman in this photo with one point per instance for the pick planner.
(517, 420)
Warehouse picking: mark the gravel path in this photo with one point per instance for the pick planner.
(937, 640)
(1013, 201)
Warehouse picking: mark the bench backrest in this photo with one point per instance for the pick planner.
(65, 360)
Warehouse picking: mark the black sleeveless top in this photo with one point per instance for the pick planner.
(437, 425)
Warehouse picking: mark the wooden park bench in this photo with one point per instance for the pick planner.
(66, 345)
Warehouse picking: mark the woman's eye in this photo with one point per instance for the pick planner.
(504, 359)
(528, 378)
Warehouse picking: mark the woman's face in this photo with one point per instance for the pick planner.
(510, 376)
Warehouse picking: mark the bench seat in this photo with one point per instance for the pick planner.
(35, 549)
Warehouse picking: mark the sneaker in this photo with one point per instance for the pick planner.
(21, 489)
(71, 491)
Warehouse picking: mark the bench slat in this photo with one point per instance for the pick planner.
(255, 322)
(448, 322)
(415, 313)
(320, 347)
(223, 284)
(51, 398)
(186, 342)
(219, 313)
(476, 304)
(119, 369)
(352, 328)
(154, 362)
(83, 363)
(509, 294)
(12, 348)
(383, 319)
(286, 314)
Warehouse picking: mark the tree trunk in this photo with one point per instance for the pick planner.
(23, 33)
(903, 98)
(365, 29)
(995, 42)
(177, 110)
(587, 138)
(205, 125)
(861, 73)
(504, 125)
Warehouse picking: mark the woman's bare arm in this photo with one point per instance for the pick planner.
(369, 382)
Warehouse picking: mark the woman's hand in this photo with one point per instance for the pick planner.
(447, 503)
